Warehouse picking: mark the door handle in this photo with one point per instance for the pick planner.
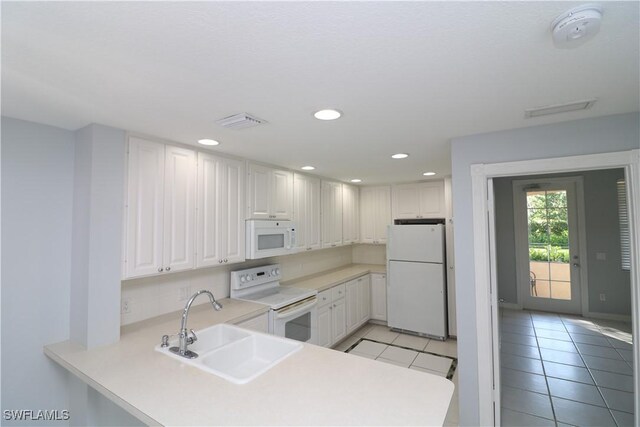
(575, 264)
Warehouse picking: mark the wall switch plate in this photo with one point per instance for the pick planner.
(601, 256)
(603, 297)
(125, 306)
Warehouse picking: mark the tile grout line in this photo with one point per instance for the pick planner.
(544, 372)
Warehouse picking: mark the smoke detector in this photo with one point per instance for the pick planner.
(240, 121)
(576, 26)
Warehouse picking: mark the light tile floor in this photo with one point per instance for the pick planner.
(409, 351)
(561, 369)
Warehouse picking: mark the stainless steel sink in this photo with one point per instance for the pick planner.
(235, 354)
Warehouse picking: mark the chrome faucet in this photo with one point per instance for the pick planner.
(183, 335)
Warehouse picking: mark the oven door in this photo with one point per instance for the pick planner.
(298, 321)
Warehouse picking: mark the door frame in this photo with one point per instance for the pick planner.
(486, 299)
(578, 181)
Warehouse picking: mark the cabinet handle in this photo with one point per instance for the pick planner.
(168, 268)
(160, 270)
(308, 249)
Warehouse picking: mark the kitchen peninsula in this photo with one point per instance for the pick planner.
(315, 386)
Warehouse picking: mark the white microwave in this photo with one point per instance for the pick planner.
(267, 238)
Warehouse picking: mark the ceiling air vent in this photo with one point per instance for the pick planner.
(559, 108)
(240, 121)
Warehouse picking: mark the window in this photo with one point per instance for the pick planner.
(623, 217)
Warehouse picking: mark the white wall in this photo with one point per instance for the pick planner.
(37, 197)
(604, 134)
(153, 296)
(97, 235)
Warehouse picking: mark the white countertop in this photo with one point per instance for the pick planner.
(315, 386)
(330, 278)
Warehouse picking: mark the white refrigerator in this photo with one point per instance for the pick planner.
(416, 285)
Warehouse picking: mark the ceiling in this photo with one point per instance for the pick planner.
(409, 76)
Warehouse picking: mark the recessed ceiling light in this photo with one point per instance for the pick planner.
(400, 156)
(356, 180)
(307, 168)
(327, 114)
(429, 173)
(208, 142)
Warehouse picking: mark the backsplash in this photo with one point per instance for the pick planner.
(370, 254)
(153, 296)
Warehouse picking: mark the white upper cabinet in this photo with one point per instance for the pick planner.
(269, 193)
(350, 214)
(220, 236)
(160, 216)
(306, 211)
(420, 200)
(179, 208)
(331, 214)
(375, 214)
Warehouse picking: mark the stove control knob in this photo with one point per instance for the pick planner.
(243, 278)
(277, 271)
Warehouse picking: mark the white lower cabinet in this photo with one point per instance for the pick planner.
(358, 302)
(379, 297)
(332, 325)
(259, 323)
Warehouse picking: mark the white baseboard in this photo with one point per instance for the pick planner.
(378, 322)
(608, 316)
(510, 305)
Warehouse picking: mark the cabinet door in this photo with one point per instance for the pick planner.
(259, 192)
(383, 213)
(208, 215)
(179, 209)
(353, 305)
(145, 208)
(324, 326)
(314, 238)
(331, 214)
(432, 204)
(282, 194)
(350, 214)
(379, 297)
(367, 215)
(406, 201)
(339, 323)
(306, 212)
(364, 299)
(230, 203)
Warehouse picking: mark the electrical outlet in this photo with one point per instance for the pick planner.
(603, 297)
(126, 307)
(185, 293)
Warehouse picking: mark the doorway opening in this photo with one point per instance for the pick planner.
(558, 366)
(578, 347)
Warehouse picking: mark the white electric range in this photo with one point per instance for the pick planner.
(293, 312)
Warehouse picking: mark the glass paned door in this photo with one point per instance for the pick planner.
(548, 239)
(547, 245)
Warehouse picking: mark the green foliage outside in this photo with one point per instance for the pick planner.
(548, 227)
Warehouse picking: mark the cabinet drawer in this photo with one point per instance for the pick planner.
(338, 292)
(324, 297)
